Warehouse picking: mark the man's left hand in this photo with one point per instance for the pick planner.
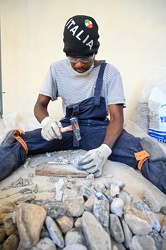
(94, 160)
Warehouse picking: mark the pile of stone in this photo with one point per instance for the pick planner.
(85, 214)
(141, 116)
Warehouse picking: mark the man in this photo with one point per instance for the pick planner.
(90, 90)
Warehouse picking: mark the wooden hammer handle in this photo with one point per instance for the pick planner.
(65, 129)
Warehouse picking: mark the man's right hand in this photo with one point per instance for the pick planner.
(50, 129)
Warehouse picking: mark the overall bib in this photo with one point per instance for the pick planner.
(91, 114)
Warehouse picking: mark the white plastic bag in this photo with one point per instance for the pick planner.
(145, 115)
(157, 112)
(18, 120)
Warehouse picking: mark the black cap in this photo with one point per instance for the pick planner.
(81, 36)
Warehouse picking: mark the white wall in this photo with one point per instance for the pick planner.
(132, 37)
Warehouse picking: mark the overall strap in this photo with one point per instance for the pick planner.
(99, 84)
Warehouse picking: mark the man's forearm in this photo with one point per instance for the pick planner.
(115, 125)
(113, 132)
(40, 112)
(40, 108)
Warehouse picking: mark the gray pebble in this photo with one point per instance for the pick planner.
(142, 206)
(117, 206)
(163, 210)
(157, 239)
(54, 232)
(101, 196)
(75, 247)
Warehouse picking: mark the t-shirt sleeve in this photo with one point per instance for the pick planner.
(49, 85)
(115, 89)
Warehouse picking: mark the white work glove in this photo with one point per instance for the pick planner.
(94, 160)
(51, 129)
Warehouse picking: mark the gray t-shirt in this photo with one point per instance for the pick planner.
(62, 81)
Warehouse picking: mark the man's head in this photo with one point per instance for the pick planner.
(81, 36)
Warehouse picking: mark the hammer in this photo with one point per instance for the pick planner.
(74, 126)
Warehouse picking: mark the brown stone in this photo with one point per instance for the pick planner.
(11, 243)
(2, 235)
(7, 207)
(9, 226)
(65, 223)
(2, 216)
(29, 220)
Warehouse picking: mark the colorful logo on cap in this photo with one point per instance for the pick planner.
(88, 24)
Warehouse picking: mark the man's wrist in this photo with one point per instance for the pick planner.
(106, 148)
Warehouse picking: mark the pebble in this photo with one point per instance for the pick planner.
(142, 206)
(86, 192)
(2, 235)
(48, 154)
(78, 222)
(74, 205)
(54, 209)
(144, 242)
(117, 206)
(10, 243)
(126, 197)
(76, 162)
(90, 178)
(101, 196)
(29, 219)
(59, 189)
(9, 226)
(101, 212)
(127, 234)
(74, 236)
(75, 247)
(116, 228)
(118, 183)
(88, 205)
(44, 233)
(99, 187)
(66, 223)
(157, 239)
(137, 221)
(114, 190)
(163, 210)
(93, 231)
(117, 246)
(27, 163)
(151, 201)
(45, 244)
(54, 232)
(7, 207)
(155, 222)
(163, 228)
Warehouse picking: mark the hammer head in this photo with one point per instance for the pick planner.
(75, 127)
